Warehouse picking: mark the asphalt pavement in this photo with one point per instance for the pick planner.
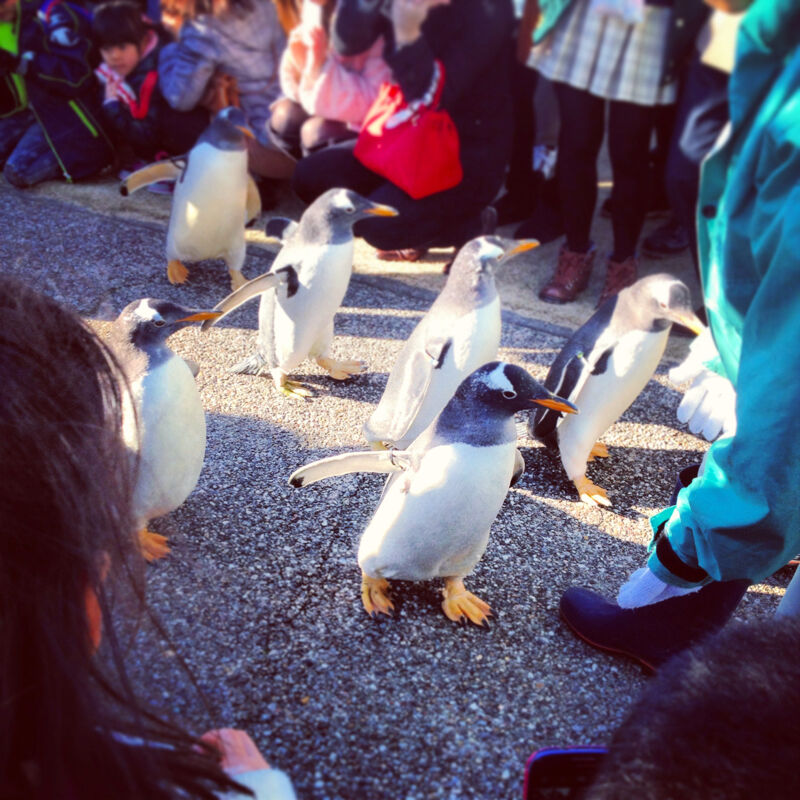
(260, 595)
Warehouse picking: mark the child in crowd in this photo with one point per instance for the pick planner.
(138, 118)
(326, 95)
(236, 44)
(49, 113)
(71, 726)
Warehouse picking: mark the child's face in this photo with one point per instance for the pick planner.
(8, 10)
(122, 58)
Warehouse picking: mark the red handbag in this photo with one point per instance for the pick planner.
(414, 145)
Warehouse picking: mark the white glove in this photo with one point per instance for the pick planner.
(709, 405)
(643, 588)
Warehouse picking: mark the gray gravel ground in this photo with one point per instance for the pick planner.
(261, 592)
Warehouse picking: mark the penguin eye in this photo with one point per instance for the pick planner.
(350, 210)
(158, 323)
(509, 394)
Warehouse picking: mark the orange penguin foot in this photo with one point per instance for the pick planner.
(599, 450)
(176, 272)
(152, 545)
(293, 389)
(590, 493)
(341, 370)
(459, 604)
(375, 595)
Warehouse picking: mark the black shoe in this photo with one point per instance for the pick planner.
(514, 207)
(651, 634)
(670, 239)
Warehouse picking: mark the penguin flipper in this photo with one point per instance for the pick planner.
(153, 173)
(285, 276)
(253, 203)
(367, 461)
(414, 389)
(279, 229)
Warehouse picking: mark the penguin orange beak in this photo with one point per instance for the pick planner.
(382, 211)
(200, 316)
(522, 247)
(691, 321)
(557, 404)
(246, 131)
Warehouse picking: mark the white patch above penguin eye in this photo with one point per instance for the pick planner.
(497, 379)
(662, 292)
(343, 202)
(487, 250)
(146, 312)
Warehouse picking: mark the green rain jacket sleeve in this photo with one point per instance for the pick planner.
(741, 519)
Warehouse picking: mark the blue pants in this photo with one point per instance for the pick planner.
(24, 149)
(702, 114)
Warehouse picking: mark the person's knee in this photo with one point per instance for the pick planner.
(317, 132)
(286, 118)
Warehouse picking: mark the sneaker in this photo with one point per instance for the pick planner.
(650, 634)
(619, 275)
(407, 254)
(571, 276)
(670, 239)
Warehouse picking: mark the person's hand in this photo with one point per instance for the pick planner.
(643, 588)
(171, 21)
(222, 91)
(112, 88)
(408, 16)
(709, 405)
(239, 752)
(317, 49)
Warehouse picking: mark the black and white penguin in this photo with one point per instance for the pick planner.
(460, 332)
(603, 368)
(214, 199)
(305, 286)
(164, 424)
(435, 512)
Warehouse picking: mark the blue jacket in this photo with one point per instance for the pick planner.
(741, 519)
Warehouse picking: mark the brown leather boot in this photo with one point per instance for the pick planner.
(570, 277)
(619, 274)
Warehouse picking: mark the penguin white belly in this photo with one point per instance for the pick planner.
(208, 207)
(172, 431)
(303, 320)
(476, 338)
(605, 397)
(433, 521)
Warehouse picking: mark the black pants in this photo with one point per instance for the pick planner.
(581, 135)
(702, 114)
(445, 219)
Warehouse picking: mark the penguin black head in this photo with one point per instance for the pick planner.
(344, 207)
(507, 388)
(228, 130)
(482, 255)
(662, 299)
(146, 324)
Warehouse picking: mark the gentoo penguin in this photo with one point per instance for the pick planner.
(214, 198)
(164, 424)
(309, 277)
(460, 332)
(603, 368)
(434, 515)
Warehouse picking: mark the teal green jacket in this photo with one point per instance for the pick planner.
(741, 519)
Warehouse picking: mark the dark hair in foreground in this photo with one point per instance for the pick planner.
(65, 514)
(719, 721)
(118, 22)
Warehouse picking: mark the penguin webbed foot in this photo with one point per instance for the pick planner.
(295, 390)
(152, 545)
(237, 279)
(460, 605)
(341, 370)
(590, 493)
(375, 595)
(177, 272)
(599, 450)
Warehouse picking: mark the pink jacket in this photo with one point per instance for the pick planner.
(341, 87)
